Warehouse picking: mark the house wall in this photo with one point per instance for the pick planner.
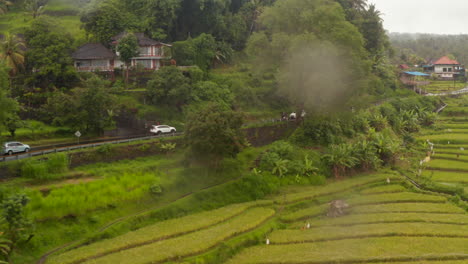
(440, 68)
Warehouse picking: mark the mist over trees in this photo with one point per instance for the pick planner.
(418, 48)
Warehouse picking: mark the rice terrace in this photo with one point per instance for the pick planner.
(233, 132)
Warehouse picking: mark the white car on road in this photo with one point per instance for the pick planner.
(162, 129)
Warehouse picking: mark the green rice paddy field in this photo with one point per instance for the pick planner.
(449, 162)
(385, 223)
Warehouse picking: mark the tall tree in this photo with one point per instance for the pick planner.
(8, 106)
(128, 49)
(169, 87)
(48, 56)
(90, 109)
(214, 132)
(12, 50)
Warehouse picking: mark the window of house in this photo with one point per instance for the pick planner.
(450, 69)
(83, 63)
(100, 63)
(445, 69)
(145, 51)
(145, 63)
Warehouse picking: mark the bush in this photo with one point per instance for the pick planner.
(57, 163)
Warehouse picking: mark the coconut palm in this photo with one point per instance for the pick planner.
(4, 4)
(12, 52)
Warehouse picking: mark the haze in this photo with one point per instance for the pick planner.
(424, 16)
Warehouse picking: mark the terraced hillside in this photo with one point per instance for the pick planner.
(385, 221)
(449, 161)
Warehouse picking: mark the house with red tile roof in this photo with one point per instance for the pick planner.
(445, 68)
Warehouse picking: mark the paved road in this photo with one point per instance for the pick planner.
(53, 149)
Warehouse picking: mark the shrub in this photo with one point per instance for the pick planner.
(105, 149)
(57, 163)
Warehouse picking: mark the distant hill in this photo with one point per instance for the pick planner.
(431, 46)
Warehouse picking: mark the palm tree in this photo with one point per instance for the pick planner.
(4, 4)
(12, 52)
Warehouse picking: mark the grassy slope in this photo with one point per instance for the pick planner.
(16, 20)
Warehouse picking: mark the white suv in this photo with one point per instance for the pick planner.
(158, 130)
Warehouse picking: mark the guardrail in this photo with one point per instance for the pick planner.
(44, 150)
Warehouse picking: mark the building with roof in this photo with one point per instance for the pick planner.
(445, 68)
(152, 52)
(96, 57)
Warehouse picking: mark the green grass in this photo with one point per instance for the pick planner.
(446, 176)
(442, 164)
(356, 250)
(386, 229)
(393, 188)
(159, 231)
(315, 211)
(453, 138)
(443, 86)
(389, 218)
(407, 207)
(307, 213)
(82, 198)
(395, 198)
(187, 245)
(291, 195)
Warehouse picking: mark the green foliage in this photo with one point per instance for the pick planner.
(45, 169)
(107, 19)
(128, 48)
(48, 54)
(168, 147)
(341, 158)
(215, 131)
(14, 213)
(87, 109)
(9, 105)
(169, 86)
(203, 51)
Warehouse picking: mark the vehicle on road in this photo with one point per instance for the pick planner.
(162, 129)
(14, 147)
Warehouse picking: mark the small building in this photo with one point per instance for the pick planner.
(97, 57)
(93, 57)
(445, 68)
(415, 80)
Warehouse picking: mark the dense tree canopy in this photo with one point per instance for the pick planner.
(48, 56)
(215, 132)
(89, 109)
(8, 106)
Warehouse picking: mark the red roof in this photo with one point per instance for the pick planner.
(446, 61)
(404, 66)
